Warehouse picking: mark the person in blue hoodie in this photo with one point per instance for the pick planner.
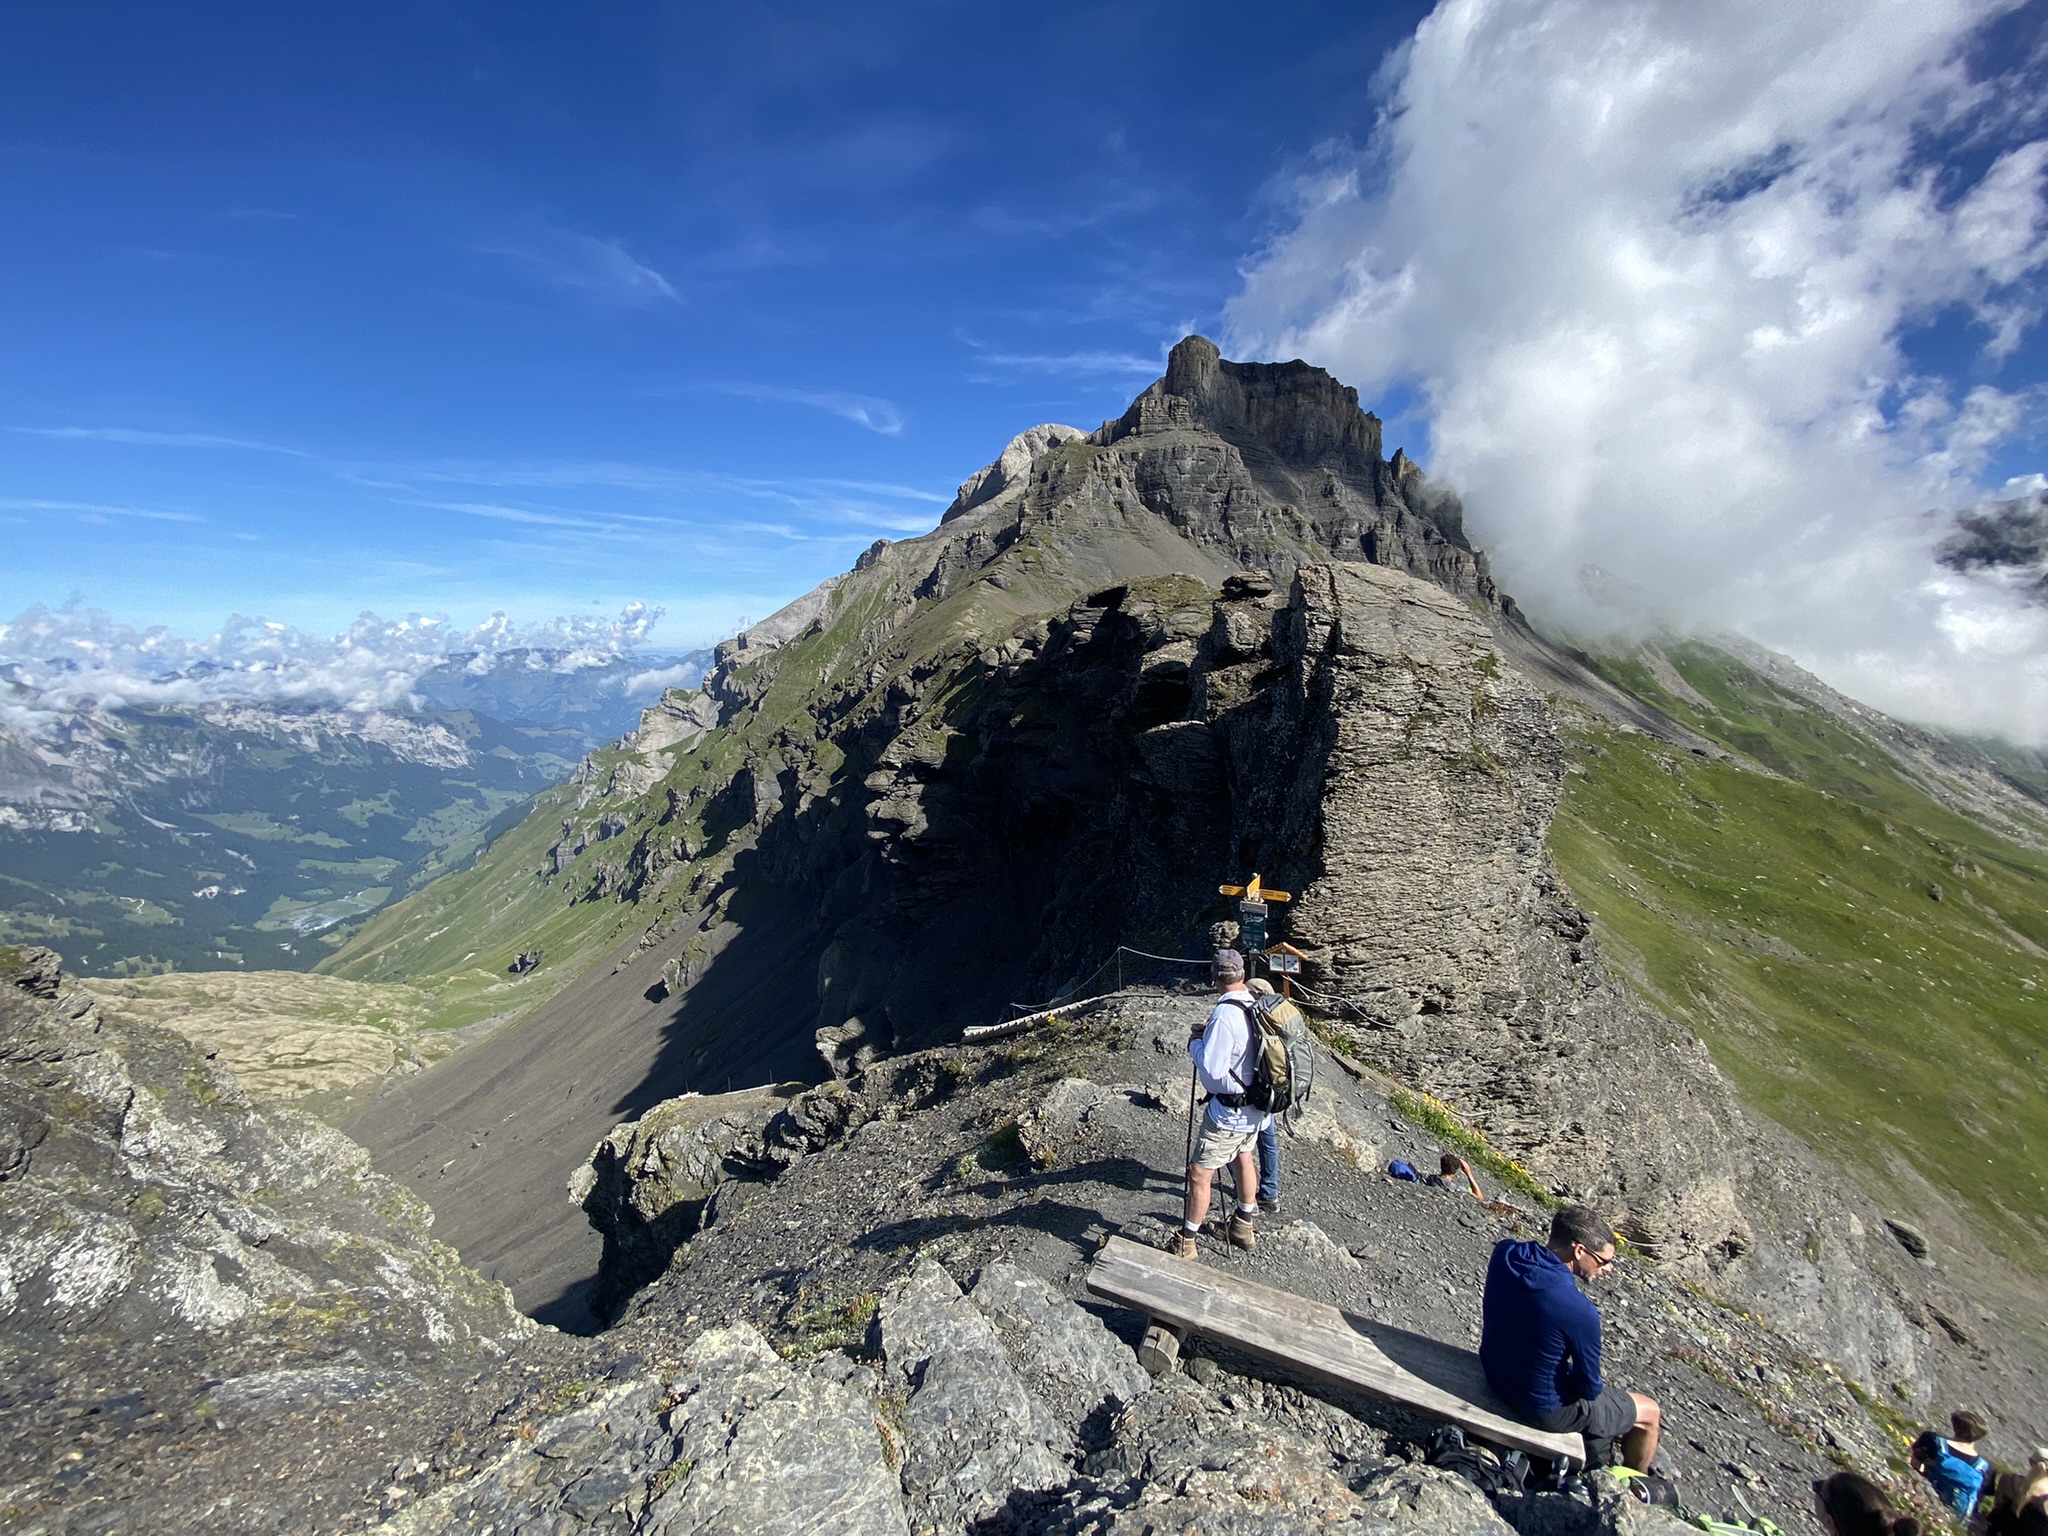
(1539, 1341)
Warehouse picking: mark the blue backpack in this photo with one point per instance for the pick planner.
(1958, 1479)
(1400, 1170)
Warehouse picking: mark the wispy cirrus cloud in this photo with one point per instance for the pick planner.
(884, 488)
(603, 271)
(97, 511)
(877, 415)
(697, 503)
(1087, 364)
(140, 438)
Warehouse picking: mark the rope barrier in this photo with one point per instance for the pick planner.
(1330, 1000)
(979, 1032)
(1116, 960)
(1125, 949)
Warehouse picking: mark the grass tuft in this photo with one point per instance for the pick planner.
(1437, 1117)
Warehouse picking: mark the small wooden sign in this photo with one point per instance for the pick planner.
(1283, 965)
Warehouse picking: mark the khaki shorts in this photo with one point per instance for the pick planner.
(1217, 1147)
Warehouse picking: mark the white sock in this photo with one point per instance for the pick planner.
(1190, 1228)
(1247, 1210)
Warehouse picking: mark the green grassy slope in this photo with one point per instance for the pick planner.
(457, 936)
(1869, 967)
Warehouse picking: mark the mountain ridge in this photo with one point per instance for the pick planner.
(957, 776)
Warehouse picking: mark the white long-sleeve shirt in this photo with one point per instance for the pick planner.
(1222, 1056)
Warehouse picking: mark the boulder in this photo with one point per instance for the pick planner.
(977, 1435)
(1063, 1353)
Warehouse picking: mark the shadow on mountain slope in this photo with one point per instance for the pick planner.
(490, 1141)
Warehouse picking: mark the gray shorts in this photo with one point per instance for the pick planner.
(1602, 1420)
(1217, 1147)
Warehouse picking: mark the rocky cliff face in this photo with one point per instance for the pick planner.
(177, 1264)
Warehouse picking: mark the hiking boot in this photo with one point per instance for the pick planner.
(1269, 1204)
(1241, 1233)
(1183, 1246)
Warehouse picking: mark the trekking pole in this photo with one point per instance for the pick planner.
(1186, 1178)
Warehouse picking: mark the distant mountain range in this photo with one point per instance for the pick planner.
(234, 832)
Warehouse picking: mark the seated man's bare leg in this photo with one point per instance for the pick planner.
(1639, 1445)
(1199, 1180)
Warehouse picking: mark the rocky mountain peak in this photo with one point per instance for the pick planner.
(1292, 412)
(1010, 466)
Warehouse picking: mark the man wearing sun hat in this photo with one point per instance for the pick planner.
(1222, 1053)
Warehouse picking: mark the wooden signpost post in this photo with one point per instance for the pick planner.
(1251, 911)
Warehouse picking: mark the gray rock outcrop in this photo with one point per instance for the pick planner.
(1067, 1359)
(1418, 822)
(976, 1434)
(736, 1441)
(146, 1203)
(176, 1258)
(1010, 466)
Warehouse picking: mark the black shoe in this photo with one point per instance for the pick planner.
(1270, 1204)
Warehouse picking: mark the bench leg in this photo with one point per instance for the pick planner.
(1159, 1352)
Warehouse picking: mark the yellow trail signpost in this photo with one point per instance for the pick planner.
(1251, 890)
(1251, 910)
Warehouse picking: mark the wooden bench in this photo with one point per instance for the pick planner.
(1315, 1339)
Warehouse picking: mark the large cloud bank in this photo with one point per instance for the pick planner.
(1654, 270)
(67, 657)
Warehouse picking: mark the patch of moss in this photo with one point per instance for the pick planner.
(677, 1471)
(830, 1327)
(566, 1396)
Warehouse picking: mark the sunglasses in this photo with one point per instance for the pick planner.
(1600, 1265)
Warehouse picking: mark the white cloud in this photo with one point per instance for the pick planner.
(651, 683)
(603, 270)
(1649, 266)
(862, 410)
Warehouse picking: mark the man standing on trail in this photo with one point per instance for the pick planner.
(1222, 1052)
(1539, 1341)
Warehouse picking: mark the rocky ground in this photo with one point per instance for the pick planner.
(892, 1332)
(877, 1322)
(208, 1308)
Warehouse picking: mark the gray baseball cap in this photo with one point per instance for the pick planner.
(1229, 961)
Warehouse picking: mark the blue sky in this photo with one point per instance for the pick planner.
(1712, 314)
(546, 308)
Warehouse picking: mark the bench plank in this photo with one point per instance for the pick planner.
(1318, 1340)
